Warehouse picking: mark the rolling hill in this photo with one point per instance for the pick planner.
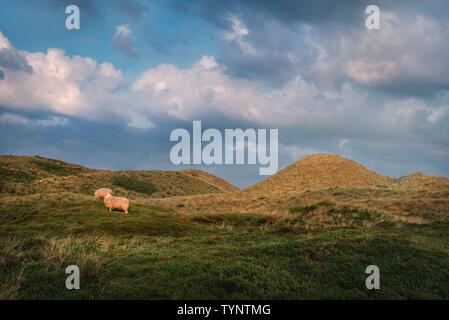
(21, 175)
(307, 232)
(324, 178)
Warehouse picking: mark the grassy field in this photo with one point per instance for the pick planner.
(316, 247)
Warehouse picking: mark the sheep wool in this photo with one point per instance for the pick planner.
(119, 203)
(101, 193)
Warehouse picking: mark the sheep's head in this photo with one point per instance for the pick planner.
(107, 195)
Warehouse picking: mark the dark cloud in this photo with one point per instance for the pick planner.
(270, 52)
(85, 6)
(287, 11)
(124, 41)
(348, 12)
(324, 11)
(132, 8)
(11, 58)
(92, 12)
(327, 42)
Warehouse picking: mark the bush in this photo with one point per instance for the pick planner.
(303, 209)
(55, 168)
(133, 184)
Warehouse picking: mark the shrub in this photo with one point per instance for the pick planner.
(133, 184)
(55, 168)
(325, 203)
(303, 209)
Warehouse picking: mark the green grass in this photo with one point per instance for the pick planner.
(152, 254)
(311, 208)
(10, 177)
(303, 209)
(54, 167)
(134, 184)
(313, 245)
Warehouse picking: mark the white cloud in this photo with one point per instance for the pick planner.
(52, 121)
(140, 121)
(408, 50)
(344, 143)
(124, 41)
(296, 152)
(205, 88)
(80, 87)
(206, 63)
(72, 86)
(239, 29)
(436, 115)
(12, 118)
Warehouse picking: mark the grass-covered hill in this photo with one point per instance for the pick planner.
(324, 178)
(316, 172)
(190, 235)
(34, 175)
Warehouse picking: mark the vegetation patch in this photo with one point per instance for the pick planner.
(18, 176)
(234, 219)
(304, 209)
(55, 168)
(134, 184)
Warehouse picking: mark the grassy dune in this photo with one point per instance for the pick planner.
(231, 244)
(31, 175)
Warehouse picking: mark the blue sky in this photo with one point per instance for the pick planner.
(108, 95)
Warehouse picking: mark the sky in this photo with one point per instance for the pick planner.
(108, 95)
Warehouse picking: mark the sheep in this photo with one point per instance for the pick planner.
(100, 193)
(116, 203)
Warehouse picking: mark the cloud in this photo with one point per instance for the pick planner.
(132, 8)
(310, 116)
(344, 120)
(267, 50)
(2, 75)
(140, 121)
(389, 58)
(10, 57)
(205, 90)
(343, 144)
(279, 40)
(166, 94)
(52, 121)
(86, 6)
(330, 13)
(124, 41)
(295, 152)
(72, 86)
(199, 91)
(238, 31)
(12, 119)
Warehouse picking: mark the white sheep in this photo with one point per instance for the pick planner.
(116, 203)
(101, 193)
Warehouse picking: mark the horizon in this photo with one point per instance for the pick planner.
(109, 94)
